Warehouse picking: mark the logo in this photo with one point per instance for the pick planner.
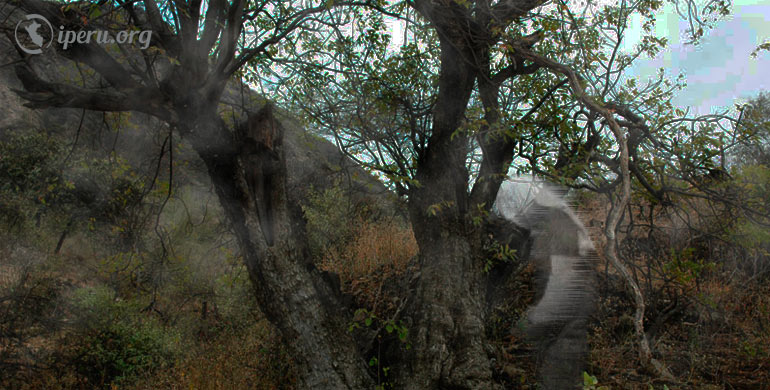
(34, 26)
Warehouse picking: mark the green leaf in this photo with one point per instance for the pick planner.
(95, 13)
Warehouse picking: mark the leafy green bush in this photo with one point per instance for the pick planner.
(119, 352)
(29, 175)
(113, 342)
(591, 383)
(330, 219)
(28, 162)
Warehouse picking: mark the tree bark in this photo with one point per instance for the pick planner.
(610, 250)
(290, 291)
(448, 309)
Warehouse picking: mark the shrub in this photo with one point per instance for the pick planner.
(330, 217)
(249, 358)
(375, 245)
(349, 241)
(113, 342)
(29, 176)
(120, 352)
(27, 305)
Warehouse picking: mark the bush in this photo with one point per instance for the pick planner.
(29, 176)
(113, 342)
(120, 352)
(253, 357)
(375, 245)
(27, 305)
(349, 241)
(330, 217)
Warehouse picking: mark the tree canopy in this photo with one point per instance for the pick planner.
(474, 91)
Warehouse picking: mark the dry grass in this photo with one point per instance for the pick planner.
(717, 341)
(251, 358)
(722, 342)
(376, 245)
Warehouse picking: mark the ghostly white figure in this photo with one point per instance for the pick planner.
(564, 256)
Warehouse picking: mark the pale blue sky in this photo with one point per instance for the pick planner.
(719, 71)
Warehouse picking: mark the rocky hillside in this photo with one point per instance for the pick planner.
(311, 160)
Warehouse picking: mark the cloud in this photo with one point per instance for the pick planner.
(719, 70)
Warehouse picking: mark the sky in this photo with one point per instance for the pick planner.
(719, 71)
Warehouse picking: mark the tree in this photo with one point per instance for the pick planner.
(475, 85)
(180, 80)
(756, 148)
(748, 188)
(489, 91)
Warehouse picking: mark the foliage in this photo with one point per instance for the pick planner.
(28, 300)
(591, 383)
(380, 105)
(699, 261)
(750, 187)
(385, 244)
(376, 99)
(353, 243)
(29, 162)
(30, 176)
(127, 305)
(252, 357)
(37, 178)
(498, 254)
(684, 268)
(385, 330)
(390, 326)
(330, 218)
(112, 345)
(754, 149)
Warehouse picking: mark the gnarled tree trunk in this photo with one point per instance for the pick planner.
(291, 292)
(448, 312)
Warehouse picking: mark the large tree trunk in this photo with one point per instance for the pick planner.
(449, 336)
(291, 292)
(448, 307)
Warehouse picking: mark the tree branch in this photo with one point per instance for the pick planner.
(613, 219)
(43, 94)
